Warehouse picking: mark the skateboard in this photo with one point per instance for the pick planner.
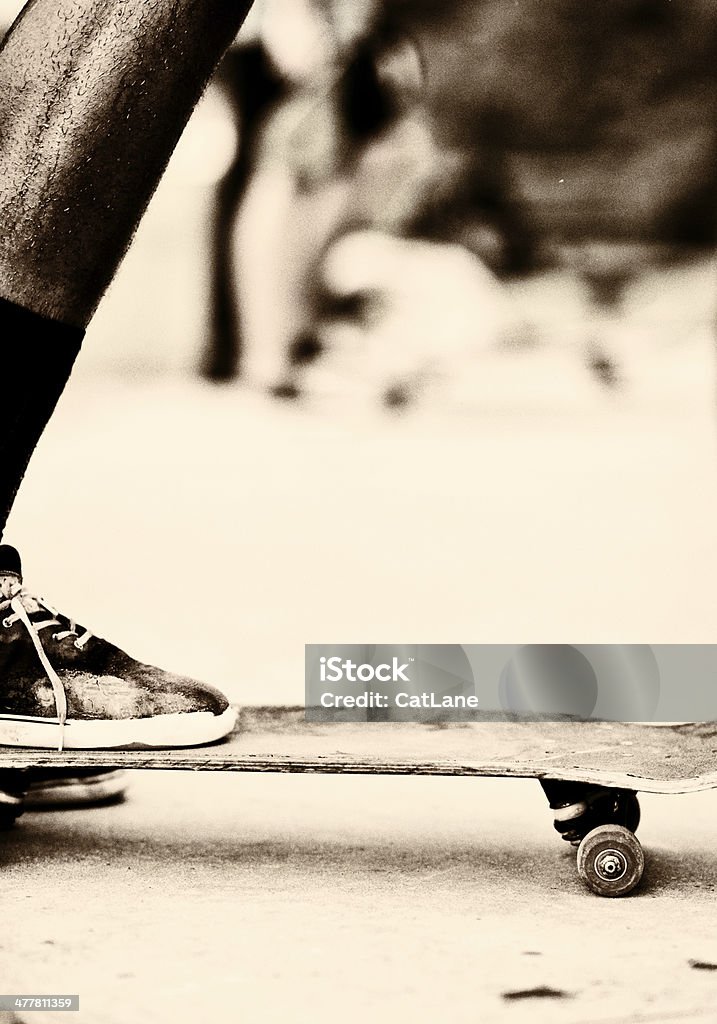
(620, 758)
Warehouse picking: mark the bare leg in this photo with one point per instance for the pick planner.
(93, 98)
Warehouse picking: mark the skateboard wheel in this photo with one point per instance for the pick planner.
(610, 860)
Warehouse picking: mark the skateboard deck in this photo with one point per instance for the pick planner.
(648, 758)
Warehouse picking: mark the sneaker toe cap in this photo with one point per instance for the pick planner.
(180, 694)
(164, 693)
(143, 692)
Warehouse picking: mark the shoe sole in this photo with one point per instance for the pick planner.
(73, 791)
(190, 729)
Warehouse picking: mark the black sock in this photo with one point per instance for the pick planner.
(36, 358)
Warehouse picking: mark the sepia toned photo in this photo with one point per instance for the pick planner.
(358, 490)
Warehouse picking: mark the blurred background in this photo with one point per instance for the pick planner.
(415, 343)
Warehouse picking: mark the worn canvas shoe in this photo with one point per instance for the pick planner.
(12, 793)
(52, 789)
(62, 687)
(49, 789)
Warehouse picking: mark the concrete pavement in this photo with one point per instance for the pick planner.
(262, 899)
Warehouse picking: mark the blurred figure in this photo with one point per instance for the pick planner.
(252, 87)
(552, 135)
(598, 122)
(302, 176)
(295, 50)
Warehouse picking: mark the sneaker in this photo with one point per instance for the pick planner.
(12, 792)
(62, 687)
(55, 788)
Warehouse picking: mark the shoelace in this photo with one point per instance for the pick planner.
(22, 605)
